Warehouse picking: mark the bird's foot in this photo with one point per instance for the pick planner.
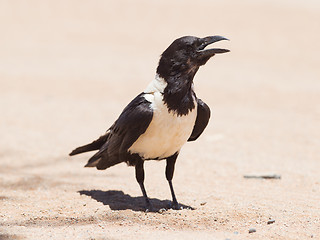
(149, 207)
(175, 205)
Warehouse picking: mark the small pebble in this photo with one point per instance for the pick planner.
(162, 210)
(271, 221)
(203, 203)
(252, 230)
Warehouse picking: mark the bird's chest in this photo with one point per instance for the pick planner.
(166, 133)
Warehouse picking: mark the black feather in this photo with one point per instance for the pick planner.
(132, 122)
(203, 116)
(95, 145)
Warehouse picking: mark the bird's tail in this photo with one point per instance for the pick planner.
(102, 160)
(95, 145)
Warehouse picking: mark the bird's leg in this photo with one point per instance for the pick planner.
(169, 175)
(140, 180)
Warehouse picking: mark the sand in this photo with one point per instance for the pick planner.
(68, 68)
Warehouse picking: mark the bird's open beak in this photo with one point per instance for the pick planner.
(212, 51)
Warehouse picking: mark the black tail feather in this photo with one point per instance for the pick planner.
(94, 160)
(95, 145)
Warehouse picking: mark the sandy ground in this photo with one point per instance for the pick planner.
(68, 68)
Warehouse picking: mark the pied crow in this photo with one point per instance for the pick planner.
(161, 119)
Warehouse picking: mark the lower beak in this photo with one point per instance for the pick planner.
(212, 51)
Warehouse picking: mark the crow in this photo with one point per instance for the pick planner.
(161, 119)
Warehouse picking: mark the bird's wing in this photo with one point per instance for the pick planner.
(132, 122)
(203, 115)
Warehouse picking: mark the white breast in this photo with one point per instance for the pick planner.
(167, 132)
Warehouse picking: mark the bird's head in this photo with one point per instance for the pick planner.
(185, 55)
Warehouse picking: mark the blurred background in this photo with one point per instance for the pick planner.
(67, 69)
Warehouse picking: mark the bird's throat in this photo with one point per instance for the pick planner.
(179, 96)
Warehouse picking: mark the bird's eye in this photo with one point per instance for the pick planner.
(202, 46)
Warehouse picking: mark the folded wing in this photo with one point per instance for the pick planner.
(203, 116)
(133, 121)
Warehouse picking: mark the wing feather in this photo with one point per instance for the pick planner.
(203, 116)
(132, 122)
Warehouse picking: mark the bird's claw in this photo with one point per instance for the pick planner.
(149, 208)
(176, 206)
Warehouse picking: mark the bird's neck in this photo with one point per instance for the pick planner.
(178, 94)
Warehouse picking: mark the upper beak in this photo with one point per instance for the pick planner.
(212, 51)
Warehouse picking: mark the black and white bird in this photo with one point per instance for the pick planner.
(160, 120)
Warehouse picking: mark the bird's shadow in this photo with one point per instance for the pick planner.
(118, 200)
